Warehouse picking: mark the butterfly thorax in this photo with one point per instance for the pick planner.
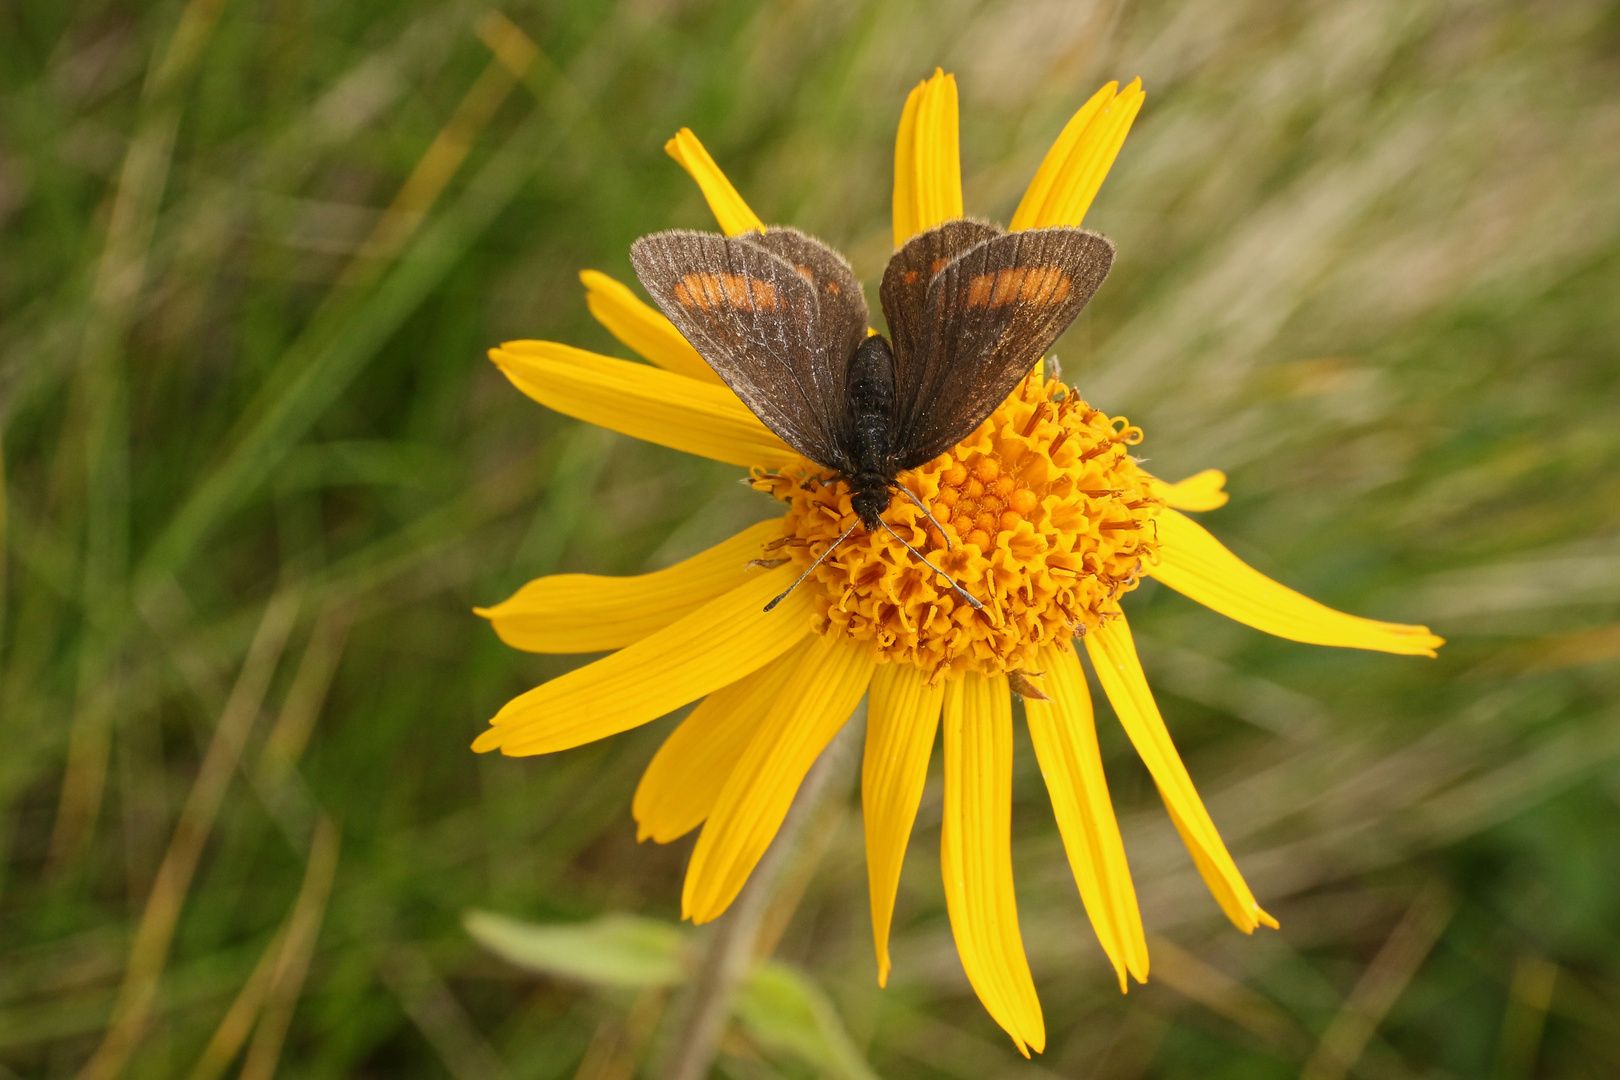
(868, 467)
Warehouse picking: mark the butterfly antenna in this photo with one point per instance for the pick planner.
(908, 493)
(924, 560)
(819, 558)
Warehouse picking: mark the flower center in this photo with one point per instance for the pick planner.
(1050, 521)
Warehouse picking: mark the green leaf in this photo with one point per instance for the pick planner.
(612, 951)
(787, 1013)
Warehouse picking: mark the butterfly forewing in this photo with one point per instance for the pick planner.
(989, 315)
(904, 292)
(840, 302)
(757, 320)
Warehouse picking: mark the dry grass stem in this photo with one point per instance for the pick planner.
(286, 982)
(149, 952)
(1382, 984)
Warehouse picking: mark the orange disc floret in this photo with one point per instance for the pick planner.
(1050, 521)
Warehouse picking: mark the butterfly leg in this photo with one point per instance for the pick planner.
(908, 493)
(924, 560)
(784, 595)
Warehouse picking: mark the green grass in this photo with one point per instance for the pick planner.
(1369, 255)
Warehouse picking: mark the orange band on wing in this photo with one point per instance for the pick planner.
(1036, 285)
(706, 291)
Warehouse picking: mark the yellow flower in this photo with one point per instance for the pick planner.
(1052, 523)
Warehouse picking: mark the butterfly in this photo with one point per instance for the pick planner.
(781, 319)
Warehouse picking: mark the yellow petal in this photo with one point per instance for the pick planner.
(1201, 491)
(1065, 738)
(823, 689)
(684, 778)
(642, 327)
(905, 171)
(1198, 566)
(976, 855)
(1052, 164)
(725, 639)
(927, 161)
(902, 716)
(649, 404)
(1078, 162)
(730, 211)
(1113, 654)
(575, 613)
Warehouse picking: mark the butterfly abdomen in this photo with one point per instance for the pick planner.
(869, 389)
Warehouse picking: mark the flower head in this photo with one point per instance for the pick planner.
(1050, 521)
(1042, 514)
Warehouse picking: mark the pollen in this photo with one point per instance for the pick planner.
(1049, 521)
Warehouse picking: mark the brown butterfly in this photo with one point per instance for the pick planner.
(781, 318)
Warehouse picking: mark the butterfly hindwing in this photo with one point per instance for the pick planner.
(990, 314)
(904, 292)
(758, 323)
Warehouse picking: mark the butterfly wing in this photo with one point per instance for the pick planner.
(758, 321)
(989, 315)
(904, 292)
(841, 303)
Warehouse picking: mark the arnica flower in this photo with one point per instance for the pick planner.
(1052, 523)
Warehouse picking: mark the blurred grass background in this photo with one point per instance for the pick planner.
(256, 471)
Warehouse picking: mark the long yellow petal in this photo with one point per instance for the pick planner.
(902, 716)
(1065, 737)
(633, 399)
(976, 855)
(575, 613)
(642, 327)
(1113, 654)
(725, 639)
(904, 205)
(1078, 162)
(1040, 186)
(1201, 491)
(730, 211)
(823, 689)
(684, 778)
(927, 159)
(1198, 566)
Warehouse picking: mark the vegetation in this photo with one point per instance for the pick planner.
(257, 472)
